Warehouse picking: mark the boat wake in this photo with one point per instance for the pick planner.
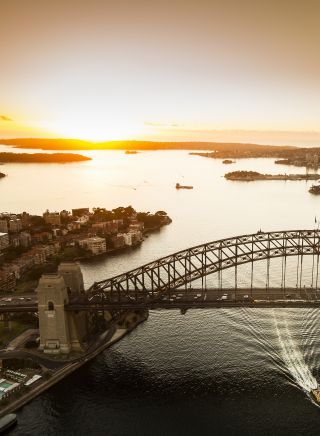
(293, 357)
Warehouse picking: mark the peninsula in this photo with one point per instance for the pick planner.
(35, 249)
(310, 160)
(6, 157)
(250, 176)
(32, 244)
(296, 156)
(2, 175)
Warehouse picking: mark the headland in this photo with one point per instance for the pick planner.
(6, 157)
(250, 176)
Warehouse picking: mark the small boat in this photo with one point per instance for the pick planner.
(7, 421)
(131, 152)
(178, 186)
(316, 394)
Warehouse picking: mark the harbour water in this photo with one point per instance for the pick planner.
(223, 372)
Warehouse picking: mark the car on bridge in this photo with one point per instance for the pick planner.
(223, 297)
(247, 299)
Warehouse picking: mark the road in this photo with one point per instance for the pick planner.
(179, 298)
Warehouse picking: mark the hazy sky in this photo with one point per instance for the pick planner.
(207, 70)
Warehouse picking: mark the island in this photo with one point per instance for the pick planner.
(250, 176)
(6, 157)
(315, 189)
(228, 161)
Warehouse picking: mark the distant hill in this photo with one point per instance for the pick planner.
(41, 157)
(77, 144)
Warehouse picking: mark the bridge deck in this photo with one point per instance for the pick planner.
(197, 305)
(185, 299)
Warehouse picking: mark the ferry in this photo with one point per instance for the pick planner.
(7, 421)
(178, 186)
(316, 394)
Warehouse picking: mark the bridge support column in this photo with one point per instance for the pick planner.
(60, 331)
(71, 272)
(53, 321)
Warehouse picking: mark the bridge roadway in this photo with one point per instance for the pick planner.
(178, 299)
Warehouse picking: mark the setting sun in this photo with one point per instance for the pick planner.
(93, 128)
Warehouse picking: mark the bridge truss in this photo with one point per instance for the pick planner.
(181, 268)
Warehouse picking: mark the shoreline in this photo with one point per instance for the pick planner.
(68, 369)
(252, 176)
(120, 249)
(10, 157)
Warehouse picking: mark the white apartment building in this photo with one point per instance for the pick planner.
(95, 244)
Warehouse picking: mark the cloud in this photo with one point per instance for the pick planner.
(4, 118)
(152, 124)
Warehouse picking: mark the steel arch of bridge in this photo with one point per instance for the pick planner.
(185, 266)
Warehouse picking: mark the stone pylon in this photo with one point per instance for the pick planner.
(61, 331)
(72, 274)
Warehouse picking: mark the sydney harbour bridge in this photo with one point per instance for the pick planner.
(179, 280)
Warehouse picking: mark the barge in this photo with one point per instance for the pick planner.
(178, 186)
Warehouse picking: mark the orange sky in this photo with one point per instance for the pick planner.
(164, 70)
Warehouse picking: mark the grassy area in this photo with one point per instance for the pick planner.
(10, 331)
